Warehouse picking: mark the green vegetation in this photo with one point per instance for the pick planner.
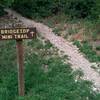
(45, 8)
(82, 8)
(34, 8)
(8, 70)
(2, 12)
(98, 48)
(6, 3)
(46, 77)
(88, 51)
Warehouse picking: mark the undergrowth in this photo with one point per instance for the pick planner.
(87, 49)
(46, 78)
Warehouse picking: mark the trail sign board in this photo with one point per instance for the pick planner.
(17, 33)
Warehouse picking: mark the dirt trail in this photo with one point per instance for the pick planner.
(75, 57)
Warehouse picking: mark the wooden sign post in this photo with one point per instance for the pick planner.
(20, 61)
(19, 34)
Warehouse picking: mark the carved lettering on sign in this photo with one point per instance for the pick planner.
(22, 33)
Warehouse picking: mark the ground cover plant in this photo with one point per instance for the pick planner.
(87, 49)
(46, 77)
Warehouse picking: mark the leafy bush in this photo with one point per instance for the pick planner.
(81, 8)
(4, 4)
(98, 48)
(77, 43)
(38, 8)
(87, 50)
(44, 8)
(35, 8)
(2, 12)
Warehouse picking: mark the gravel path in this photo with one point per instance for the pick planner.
(75, 57)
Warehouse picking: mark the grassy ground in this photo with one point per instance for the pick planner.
(46, 76)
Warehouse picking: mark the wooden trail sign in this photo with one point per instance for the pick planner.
(19, 34)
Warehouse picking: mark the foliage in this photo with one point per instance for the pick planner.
(2, 12)
(44, 8)
(88, 51)
(6, 2)
(32, 8)
(81, 8)
(57, 83)
(98, 48)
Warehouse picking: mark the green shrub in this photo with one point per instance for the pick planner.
(87, 50)
(81, 8)
(35, 8)
(4, 4)
(2, 12)
(38, 8)
(45, 8)
(98, 48)
(77, 43)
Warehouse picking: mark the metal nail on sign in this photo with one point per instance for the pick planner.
(17, 33)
